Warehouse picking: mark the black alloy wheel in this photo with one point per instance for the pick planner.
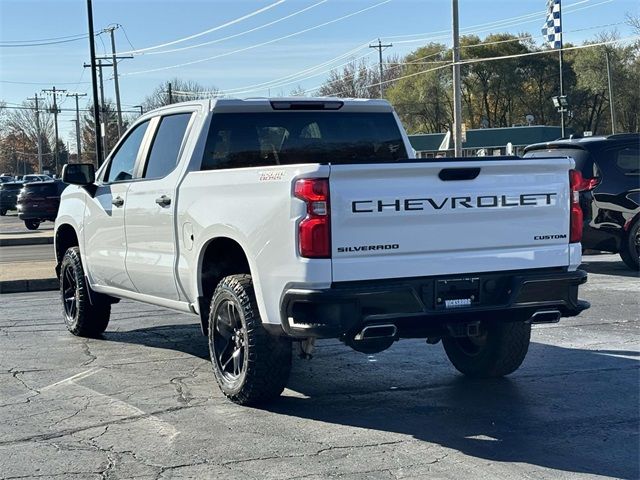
(230, 342)
(69, 294)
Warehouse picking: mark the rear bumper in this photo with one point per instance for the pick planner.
(412, 304)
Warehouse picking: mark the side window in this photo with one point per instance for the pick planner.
(163, 157)
(628, 160)
(124, 160)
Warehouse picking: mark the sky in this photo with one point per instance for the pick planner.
(246, 61)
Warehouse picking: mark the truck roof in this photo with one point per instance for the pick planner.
(264, 104)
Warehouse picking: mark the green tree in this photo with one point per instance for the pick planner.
(423, 100)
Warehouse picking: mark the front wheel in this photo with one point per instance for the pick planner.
(630, 251)
(83, 318)
(499, 350)
(32, 224)
(250, 365)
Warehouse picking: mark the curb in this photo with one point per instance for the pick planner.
(14, 242)
(36, 285)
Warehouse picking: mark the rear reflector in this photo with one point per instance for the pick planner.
(576, 183)
(314, 230)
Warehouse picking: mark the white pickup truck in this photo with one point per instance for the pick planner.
(287, 220)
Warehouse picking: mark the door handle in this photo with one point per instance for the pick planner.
(163, 201)
(118, 201)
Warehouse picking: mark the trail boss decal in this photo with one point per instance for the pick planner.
(482, 201)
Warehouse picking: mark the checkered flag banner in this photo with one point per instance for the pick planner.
(552, 29)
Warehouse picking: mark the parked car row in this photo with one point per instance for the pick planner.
(35, 202)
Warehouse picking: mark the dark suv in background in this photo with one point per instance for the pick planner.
(8, 196)
(610, 196)
(39, 201)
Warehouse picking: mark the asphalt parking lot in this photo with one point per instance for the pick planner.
(142, 403)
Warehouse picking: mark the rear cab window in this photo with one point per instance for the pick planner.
(238, 140)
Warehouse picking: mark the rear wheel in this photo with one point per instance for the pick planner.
(630, 251)
(32, 224)
(250, 365)
(82, 317)
(499, 350)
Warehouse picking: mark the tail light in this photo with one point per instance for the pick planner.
(314, 231)
(576, 184)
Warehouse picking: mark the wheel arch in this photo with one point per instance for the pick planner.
(219, 257)
(65, 237)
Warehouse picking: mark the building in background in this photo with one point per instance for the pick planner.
(484, 141)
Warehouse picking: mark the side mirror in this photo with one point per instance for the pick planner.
(79, 173)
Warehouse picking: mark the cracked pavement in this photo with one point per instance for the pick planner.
(141, 402)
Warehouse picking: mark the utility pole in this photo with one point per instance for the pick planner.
(380, 47)
(457, 95)
(612, 107)
(38, 132)
(54, 92)
(116, 80)
(103, 119)
(170, 95)
(94, 84)
(78, 144)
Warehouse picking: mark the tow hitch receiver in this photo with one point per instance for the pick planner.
(460, 330)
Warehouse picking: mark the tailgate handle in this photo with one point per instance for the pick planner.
(454, 174)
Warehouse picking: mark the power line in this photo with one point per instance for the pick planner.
(490, 59)
(269, 42)
(40, 83)
(255, 29)
(42, 44)
(300, 76)
(210, 30)
(295, 76)
(83, 35)
(492, 24)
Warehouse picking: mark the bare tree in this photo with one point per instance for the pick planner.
(181, 91)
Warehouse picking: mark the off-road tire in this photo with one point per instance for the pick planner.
(87, 319)
(266, 361)
(504, 349)
(31, 224)
(629, 249)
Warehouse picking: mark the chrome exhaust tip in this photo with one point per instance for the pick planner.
(377, 331)
(545, 316)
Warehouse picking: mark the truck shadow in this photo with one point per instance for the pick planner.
(618, 269)
(566, 409)
(185, 338)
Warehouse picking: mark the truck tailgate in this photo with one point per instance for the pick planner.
(398, 220)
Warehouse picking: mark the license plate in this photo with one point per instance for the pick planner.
(457, 293)
(457, 302)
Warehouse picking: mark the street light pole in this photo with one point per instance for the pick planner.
(612, 108)
(457, 95)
